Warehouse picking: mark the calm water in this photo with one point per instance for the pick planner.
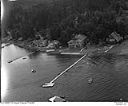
(18, 75)
(109, 73)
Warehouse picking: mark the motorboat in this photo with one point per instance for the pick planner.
(33, 71)
(90, 80)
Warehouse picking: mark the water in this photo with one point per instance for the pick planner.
(110, 79)
(17, 75)
(108, 71)
(111, 76)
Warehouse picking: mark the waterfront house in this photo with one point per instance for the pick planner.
(45, 42)
(77, 42)
(114, 37)
(72, 44)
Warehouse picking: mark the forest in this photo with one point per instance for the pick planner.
(62, 19)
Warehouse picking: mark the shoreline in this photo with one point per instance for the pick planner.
(73, 84)
(63, 51)
(90, 49)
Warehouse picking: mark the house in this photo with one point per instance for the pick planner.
(45, 42)
(114, 37)
(53, 44)
(77, 42)
(39, 43)
(72, 44)
(38, 35)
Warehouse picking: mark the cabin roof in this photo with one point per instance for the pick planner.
(115, 35)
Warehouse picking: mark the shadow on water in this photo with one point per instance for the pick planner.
(34, 55)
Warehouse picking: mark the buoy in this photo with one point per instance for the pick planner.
(33, 71)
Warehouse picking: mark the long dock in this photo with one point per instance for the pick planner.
(67, 69)
(51, 83)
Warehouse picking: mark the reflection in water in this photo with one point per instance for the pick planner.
(34, 55)
(4, 82)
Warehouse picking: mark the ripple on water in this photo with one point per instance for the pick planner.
(108, 84)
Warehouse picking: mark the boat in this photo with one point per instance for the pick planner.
(57, 99)
(53, 52)
(50, 50)
(24, 58)
(33, 71)
(10, 61)
(90, 80)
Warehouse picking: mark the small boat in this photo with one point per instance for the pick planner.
(90, 80)
(33, 71)
(9, 61)
(24, 58)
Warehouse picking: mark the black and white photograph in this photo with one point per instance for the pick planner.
(64, 51)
